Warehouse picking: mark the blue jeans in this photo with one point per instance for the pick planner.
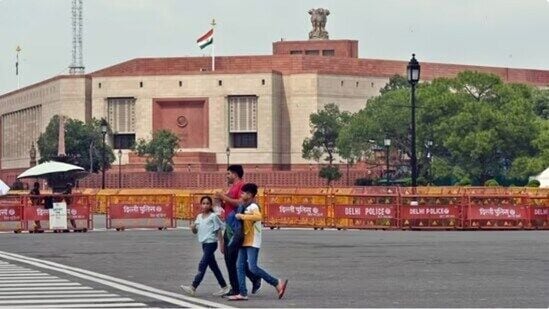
(208, 259)
(250, 255)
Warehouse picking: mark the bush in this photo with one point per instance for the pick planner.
(491, 183)
(464, 182)
(534, 183)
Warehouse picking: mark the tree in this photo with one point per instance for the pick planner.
(159, 151)
(322, 145)
(481, 128)
(80, 139)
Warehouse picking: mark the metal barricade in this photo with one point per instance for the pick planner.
(496, 209)
(293, 207)
(431, 208)
(366, 207)
(79, 212)
(11, 214)
(140, 211)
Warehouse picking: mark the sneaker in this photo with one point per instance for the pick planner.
(188, 289)
(256, 286)
(281, 288)
(238, 297)
(222, 292)
(230, 293)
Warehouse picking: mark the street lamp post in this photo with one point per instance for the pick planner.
(430, 158)
(104, 127)
(413, 72)
(387, 143)
(119, 168)
(228, 153)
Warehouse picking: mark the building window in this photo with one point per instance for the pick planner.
(262, 82)
(312, 52)
(180, 83)
(123, 141)
(328, 52)
(140, 84)
(244, 140)
(243, 121)
(99, 85)
(296, 52)
(121, 115)
(220, 83)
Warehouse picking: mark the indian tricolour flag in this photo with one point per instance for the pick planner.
(206, 39)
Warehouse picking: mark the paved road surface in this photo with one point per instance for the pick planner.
(326, 268)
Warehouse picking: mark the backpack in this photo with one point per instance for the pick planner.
(238, 230)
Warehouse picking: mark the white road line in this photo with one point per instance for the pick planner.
(26, 277)
(55, 296)
(39, 284)
(63, 288)
(120, 284)
(34, 280)
(118, 305)
(61, 301)
(55, 292)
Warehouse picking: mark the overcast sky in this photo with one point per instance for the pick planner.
(507, 33)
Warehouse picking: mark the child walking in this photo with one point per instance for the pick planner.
(209, 228)
(249, 251)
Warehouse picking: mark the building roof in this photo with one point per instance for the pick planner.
(295, 64)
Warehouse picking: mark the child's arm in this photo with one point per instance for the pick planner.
(255, 214)
(221, 241)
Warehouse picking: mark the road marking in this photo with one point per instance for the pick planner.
(64, 291)
(34, 280)
(118, 305)
(55, 296)
(39, 284)
(62, 301)
(113, 282)
(66, 288)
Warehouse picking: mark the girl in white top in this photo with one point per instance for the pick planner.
(209, 228)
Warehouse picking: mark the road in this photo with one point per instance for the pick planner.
(327, 268)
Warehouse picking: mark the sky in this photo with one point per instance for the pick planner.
(503, 33)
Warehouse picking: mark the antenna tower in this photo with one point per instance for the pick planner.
(77, 65)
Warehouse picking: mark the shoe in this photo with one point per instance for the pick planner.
(256, 286)
(222, 292)
(230, 293)
(238, 297)
(282, 289)
(188, 289)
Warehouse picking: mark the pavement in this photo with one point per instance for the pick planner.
(326, 268)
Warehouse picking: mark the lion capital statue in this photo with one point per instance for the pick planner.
(318, 21)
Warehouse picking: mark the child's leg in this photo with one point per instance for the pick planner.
(208, 250)
(253, 254)
(241, 270)
(217, 272)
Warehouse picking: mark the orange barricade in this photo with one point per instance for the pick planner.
(431, 208)
(307, 207)
(366, 207)
(140, 211)
(79, 211)
(11, 214)
(489, 208)
(539, 205)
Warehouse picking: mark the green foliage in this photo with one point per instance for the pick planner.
(325, 127)
(80, 137)
(491, 183)
(330, 173)
(159, 151)
(534, 183)
(395, 82)
(465, 181)
(481, 127)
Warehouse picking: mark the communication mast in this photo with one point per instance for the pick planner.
(77, 65)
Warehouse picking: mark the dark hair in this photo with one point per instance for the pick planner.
(205, 197)
(237, 169)
(36, 184)
(250, 188)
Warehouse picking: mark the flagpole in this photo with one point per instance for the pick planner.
(213, 46)
(18, 49)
